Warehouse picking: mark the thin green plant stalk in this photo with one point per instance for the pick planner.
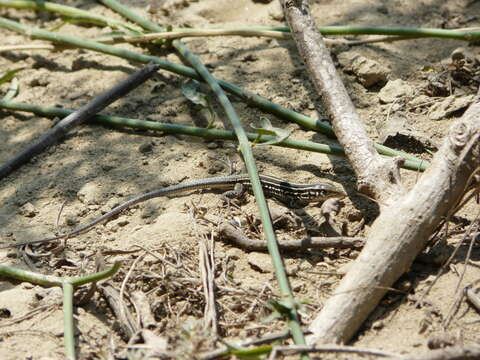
(404, 32)
(68, 321)
(67, 284)
(179, 33)
(293, 319)
(30, 276)
(250, 98)
(185, 33)
(71, 12)
(412, 32)
(100, 275)
(400, 31)
(49, 280)
(211, 134)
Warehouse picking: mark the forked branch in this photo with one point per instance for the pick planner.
(406, 220)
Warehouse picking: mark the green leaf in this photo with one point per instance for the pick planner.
(281, 309)
(246, 353)
(257, 353)
(191, 90)
(266, 128)
(281, 306)
(60, 25)
(273, 316)
(9, 75)
(12, 90)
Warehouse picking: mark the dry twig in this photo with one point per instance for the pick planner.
(295, 349)
(471, 352)
(207, 271)
(125, 318)
(231, 233)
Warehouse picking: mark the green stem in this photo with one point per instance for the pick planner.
(71, 12)
(250, 98)
(412, 32)
(88, 16)
(246, 150)
(68, 321)
(212, 134)
(67, 284)
(77, 281)
(30, 276)
(401, 31)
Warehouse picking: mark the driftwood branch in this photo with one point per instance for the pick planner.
(381, 178)
(406, 220)
(402, 231)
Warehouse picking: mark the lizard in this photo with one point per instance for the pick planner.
(290, 194)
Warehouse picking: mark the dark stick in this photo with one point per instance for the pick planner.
(58, 132)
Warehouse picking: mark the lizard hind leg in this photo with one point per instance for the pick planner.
(232, 197)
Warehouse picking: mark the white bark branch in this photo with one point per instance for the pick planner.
(401, 231)
(407, 219)
(378, 177)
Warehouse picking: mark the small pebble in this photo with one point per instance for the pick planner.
(393, 90)
(212, 145)
(89, 193)
(28, 210)
(260, 262)
(145, 147)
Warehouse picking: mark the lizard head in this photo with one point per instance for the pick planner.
(315, 193)
(324, 191)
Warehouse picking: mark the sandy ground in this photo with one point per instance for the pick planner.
(98, 167)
